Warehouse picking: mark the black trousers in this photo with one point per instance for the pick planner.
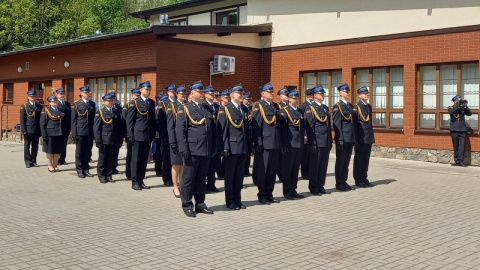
(256, 160)
(267, 172)
(305, 162)
(140, 152)
(83, 153)
(116, 152)
(280, 171)
(158, 157)
(128, 160)
(458, 139)
(318, 169)
(63, 154)
(106, 159)
(214, 166)
(361, 161)
(234, 169)
(219, 168)
(30, 147)
(193, 181)
(247, 164)
(290, 167)
(166, 162)
(342, 162)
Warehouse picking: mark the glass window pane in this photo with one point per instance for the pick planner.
(429, 87)
(445, 120)
(396, 119)
(379, 88)
(362, 79)
(121, 90)
(427, 120)
(226, 18)
(92, 84)
(322, 78)
(336, 81)
(472, 121)
(139, 80)
(470, 89)
(100, 88)
(110, 82)
(396, 88)
(448, 84)
(379, 119)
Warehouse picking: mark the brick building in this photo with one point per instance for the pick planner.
(413, 55)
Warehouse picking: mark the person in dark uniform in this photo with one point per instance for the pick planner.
(247, 106)
(157, 156)
(304, 171)
(458, 128)
(175, 158)
(141, 124)
(163, 167)
(224, 97)
(197, 142)
(224, 100)
(30, 112)
(293, 138)
(283, 95)
(83, 113)
(344, 118)
(118, 106)
(266, 128)
(215, 161)
(365, 139)
(51, 127)
(319, 140)
(66, 108)
(235, 141)
(128, 158)
(108, 132)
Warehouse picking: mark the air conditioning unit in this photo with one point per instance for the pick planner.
(223, 64)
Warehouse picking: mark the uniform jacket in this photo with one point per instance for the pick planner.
(364, 123)
(82, 118)
(294, 131)
(51, 122)
(318, 125)
(172, 111)
(344, 122)
(457, 118)
(305, 105)
(214, 109)
(107, 127)
(264, 134)
(198, 138)
(141, 122)
(234, 138)
(161, 121)
(66, 108)
(30, 117)
(282, 104)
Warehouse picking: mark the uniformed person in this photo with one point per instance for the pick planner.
(141, 132)
(283, 95)
(266, 128)
(224, 97)
(51, 127)
(304, 171)
(158, 160)
(458, 128)
(293, 138)
(128, 159)
(65, 107)
(215, 161)
(235, 141)
(108, 132)
(224, 100)
(247, 103)
(197, 142)
(365, 139)
(83, 113)
(163, 164)
(319, 140)
(30, 127)
(344, 118)
(175, 158)
(118, 106)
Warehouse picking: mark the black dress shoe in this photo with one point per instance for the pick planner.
(110, 179)
(129, 178)
(348, 186)
(241, 206)
(115, 171)
(136, 187)
(62, 163)
(189, 213)
(368, 183)
(233, 207)
(28, 165)
(143, 186)
(34, 164)
(87, 174)
(461, 164)
(298, 196)
(289, 197)
(168, 184)
(264, 201)
(213, 189)
(103, 181)
(341, 188)
(81, 175)
(323, 191)
(315, 193)
(204, 211)
(272, 200)
(362, 185)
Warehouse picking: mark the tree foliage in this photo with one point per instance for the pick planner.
(25, 23)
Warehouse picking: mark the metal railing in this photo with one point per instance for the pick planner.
(9, 119)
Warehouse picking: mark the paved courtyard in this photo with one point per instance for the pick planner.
(418, 216)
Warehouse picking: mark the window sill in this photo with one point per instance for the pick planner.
(441, 131)
(388, 130)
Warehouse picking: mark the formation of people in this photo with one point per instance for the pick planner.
(197, 132)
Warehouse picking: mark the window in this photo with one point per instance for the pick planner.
(329, 81)
(8, 93)
(178, 21)
(385, 87)
(228, 17)
(122, 85)
(44, 90)
(438, 84)
(69, 88)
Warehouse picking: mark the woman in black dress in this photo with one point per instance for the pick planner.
(50, 125)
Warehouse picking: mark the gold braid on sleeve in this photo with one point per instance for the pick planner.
(361, 116)
(262, 112)
(318, 117)
(349, 118)
(295, 123)
(227, 112)
(29, 115)
(196, 123)
(138, 110)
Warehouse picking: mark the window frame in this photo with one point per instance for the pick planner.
(438, 111)
(6, 96)
(229, 10)
(95, 97)
(331, 88)
(388, 111)
(177, 20)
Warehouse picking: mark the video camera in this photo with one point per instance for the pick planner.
(463, 103)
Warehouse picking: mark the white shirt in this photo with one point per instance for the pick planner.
(344, 101)
(85, 100)
(144, 99)
(319, 104)
(31, 103)
(236, 105)
(171, 99)
(295, 108)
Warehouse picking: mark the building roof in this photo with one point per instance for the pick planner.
(220, 30)
(145, 14)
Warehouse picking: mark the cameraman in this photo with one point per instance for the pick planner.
(458, 128)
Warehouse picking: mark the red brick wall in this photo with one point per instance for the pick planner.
(408, 52)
